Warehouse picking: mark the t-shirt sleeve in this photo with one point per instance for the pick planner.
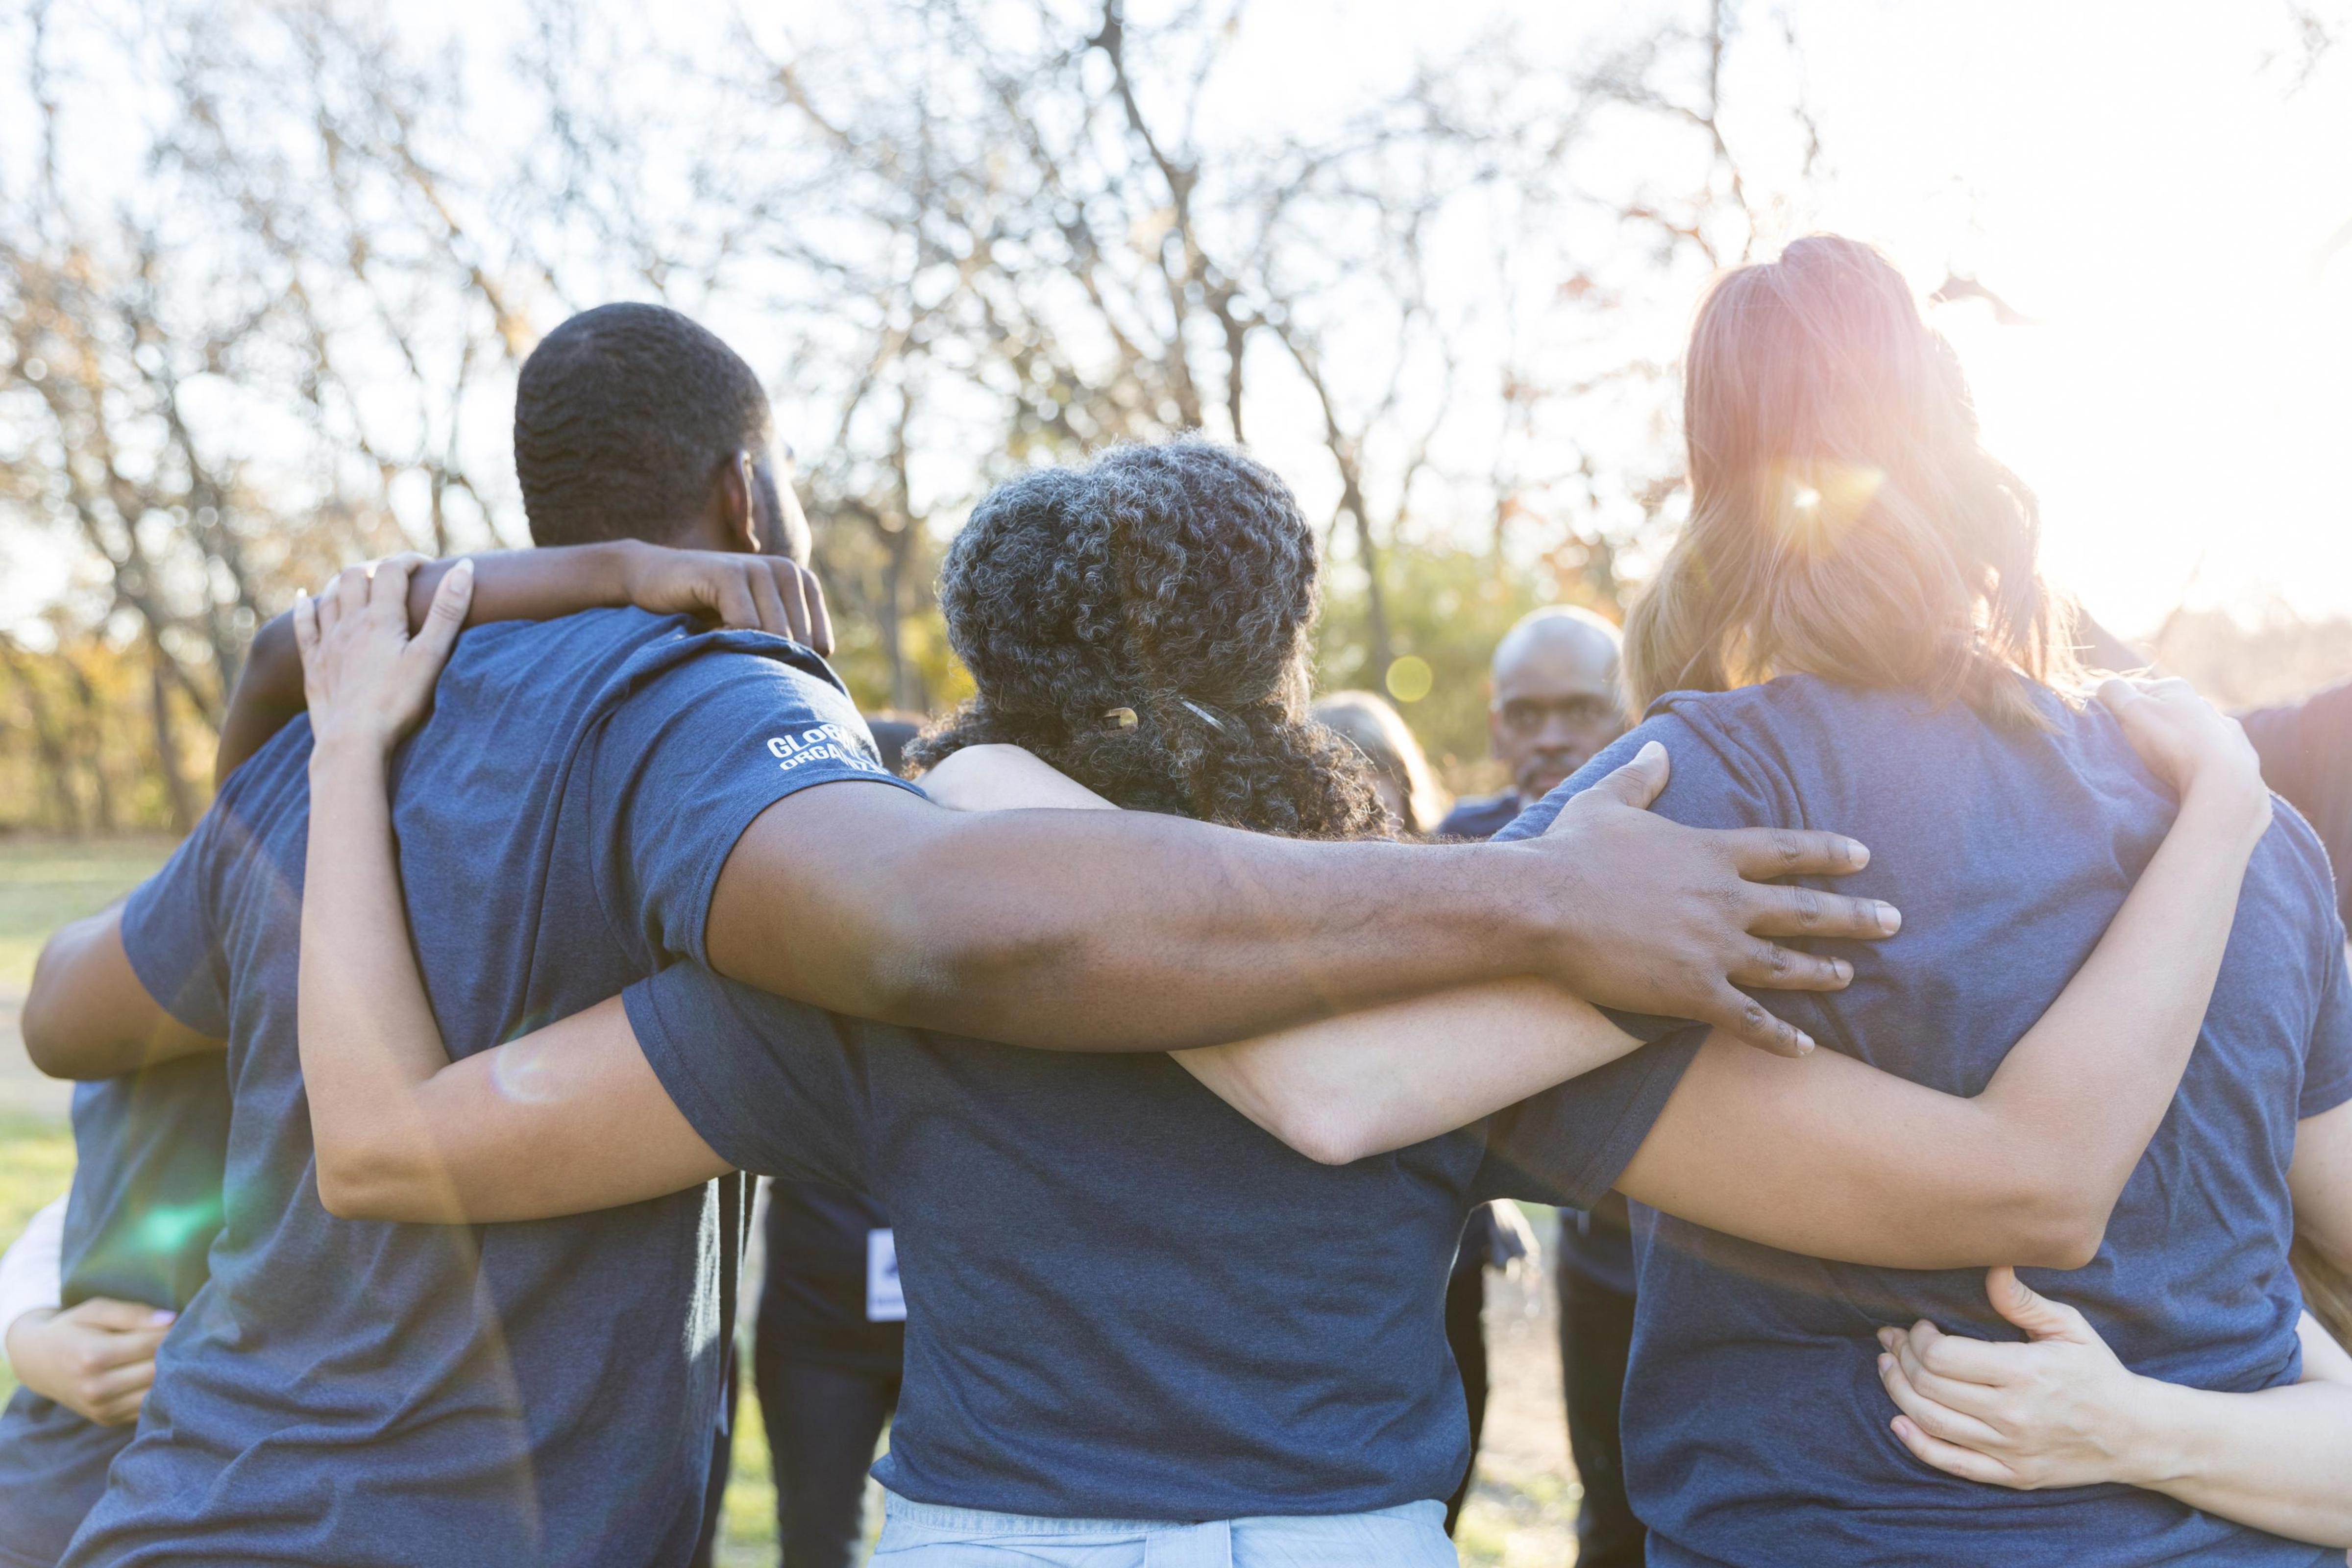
(682, 766)
(1568, 1145)
(2327, 1064)
(169, 935)
(772, 1086)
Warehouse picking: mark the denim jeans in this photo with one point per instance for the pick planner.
(919, 1535)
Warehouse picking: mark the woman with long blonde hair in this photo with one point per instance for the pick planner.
(1851, 628)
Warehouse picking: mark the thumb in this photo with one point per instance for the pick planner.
(446, 618)
(2041, 1317)
(1637, 782)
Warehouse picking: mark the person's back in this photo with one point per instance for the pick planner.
(144, 1208)
(508, 1393)
(1755, 1414)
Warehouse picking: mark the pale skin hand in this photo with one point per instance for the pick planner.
(2060, 1410)
(97, 1358)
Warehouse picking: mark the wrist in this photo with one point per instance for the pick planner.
(2154, 1447)
(2230, 798)
(31, 1318)
(620, 567)
(340, 754)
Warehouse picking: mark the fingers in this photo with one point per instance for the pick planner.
(387, 599)
(1941, 1364)
(734, 604)
(1809, 911)
(1950, 1457)
(446, 618)
(306, 627)
(1749, 1021)
(2039, 1316)
(786, 576)
(121, 1317)
(1637, 782)
(770, 603)
(820, 617)
(350, 591)
(1778, 968)
(114, 1399)
(1760, 853)
(1935, 1419)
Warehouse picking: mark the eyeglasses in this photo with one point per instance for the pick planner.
(1527, 715)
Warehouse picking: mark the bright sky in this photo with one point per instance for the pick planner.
(2146, 182)
(2148, 187)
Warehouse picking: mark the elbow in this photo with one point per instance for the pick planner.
(51, 1043)
(1323, 1133)
(361, 1181)
(2053, 1223)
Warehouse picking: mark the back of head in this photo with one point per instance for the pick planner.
(1141, 622)
(1365, 722)
(1845, 518)
(624, 416)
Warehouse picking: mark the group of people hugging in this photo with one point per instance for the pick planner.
(1972, 1048)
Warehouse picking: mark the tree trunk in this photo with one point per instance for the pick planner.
(167, 741)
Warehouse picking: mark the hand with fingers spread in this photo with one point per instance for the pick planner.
(1680, 916)
(367, 680)
(97, 1358)
(759, 593)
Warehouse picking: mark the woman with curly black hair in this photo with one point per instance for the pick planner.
(1141, 623)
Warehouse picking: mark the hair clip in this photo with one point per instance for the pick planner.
(1120, 717)
(1202, 714)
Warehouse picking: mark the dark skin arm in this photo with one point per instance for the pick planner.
(1101, 930)
(89, 1017)
(765, 593)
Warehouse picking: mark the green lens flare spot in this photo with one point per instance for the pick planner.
(1409, 678)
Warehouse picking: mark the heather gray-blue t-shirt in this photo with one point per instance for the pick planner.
(345, 1393)
(144, 1207)
(1124, 1300)
(1755, 1426)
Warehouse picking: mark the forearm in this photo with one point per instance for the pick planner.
(2075, 1101)
(1339, 1090)
(508, 585)
(88, 1015)
(2280, 1461)
(1103, 931)
(369, 1044)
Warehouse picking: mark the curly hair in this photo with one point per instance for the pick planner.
(1141, 623)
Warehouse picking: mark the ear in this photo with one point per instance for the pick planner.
(739, 513)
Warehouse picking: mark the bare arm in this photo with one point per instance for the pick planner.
(2060, 1410)
(401, 1133)
(764, 592)
(1324, 1087)
(1126, 931)
(1826, 1155)
(89, 1017)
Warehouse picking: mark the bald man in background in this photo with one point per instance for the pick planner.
(1557, 698)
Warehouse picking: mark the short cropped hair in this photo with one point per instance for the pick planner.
(622, 417)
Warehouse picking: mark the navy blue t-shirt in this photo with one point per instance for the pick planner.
(141, 1214)
(1124, 1301)
(1481, 818)
(351, 1393)
(1755, 1426)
